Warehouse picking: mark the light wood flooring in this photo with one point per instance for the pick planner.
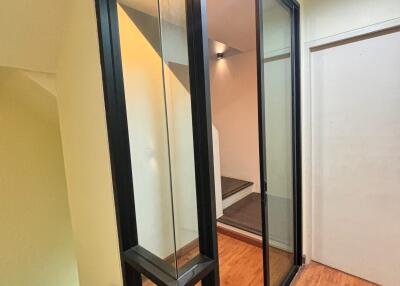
(315, 274)
(241, 265)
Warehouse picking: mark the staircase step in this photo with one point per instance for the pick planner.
(245, 214)
(231, 186)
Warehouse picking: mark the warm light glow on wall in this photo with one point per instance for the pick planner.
(219, 47)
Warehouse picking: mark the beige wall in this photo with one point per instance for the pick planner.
(36, 243)
(234, 111)
(85, 147)
(33, 30)
(70, 49)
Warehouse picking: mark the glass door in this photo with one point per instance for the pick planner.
(279, 108)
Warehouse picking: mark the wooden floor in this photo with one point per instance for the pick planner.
(241, 263)
(316, 274)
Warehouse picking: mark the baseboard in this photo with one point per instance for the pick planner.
(181, 252)
(239, 235)
(280, 245)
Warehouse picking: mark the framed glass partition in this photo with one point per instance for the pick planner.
(156, 96)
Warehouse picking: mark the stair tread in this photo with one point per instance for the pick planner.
(245, 214)
(231, 186)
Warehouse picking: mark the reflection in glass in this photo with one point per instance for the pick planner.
(147, 282)
(278, 106)
(157, 93)
(177, 91)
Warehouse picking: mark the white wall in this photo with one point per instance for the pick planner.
(36, 243)
(234, 111)
(217, 173)
(322, 19)
(85, 148)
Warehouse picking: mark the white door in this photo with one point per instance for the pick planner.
(355, 93)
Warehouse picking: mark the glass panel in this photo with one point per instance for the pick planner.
(157, 91)
(278, 112)
(139, 31)
(177, 92)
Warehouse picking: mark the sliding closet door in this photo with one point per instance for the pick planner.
(278, 142)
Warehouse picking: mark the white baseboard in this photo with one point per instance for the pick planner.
(280, 245)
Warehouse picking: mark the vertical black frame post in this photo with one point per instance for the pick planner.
(134, 259)
(294, 8)
(196, 16)
(296, 123)
(118, 134)
(261, 138)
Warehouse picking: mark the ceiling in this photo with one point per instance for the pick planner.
(231, 22)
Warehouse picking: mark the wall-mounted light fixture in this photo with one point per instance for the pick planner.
(220, 56)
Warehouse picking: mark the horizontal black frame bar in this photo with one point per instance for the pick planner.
(292, 273)
(163, 273)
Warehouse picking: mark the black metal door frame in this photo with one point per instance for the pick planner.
(136, 260)
(294, 8)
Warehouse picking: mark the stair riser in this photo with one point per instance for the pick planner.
(237, 197)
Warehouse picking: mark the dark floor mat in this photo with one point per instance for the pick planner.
(245, 214)
(231, 186)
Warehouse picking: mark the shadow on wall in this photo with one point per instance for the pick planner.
(36, 233)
